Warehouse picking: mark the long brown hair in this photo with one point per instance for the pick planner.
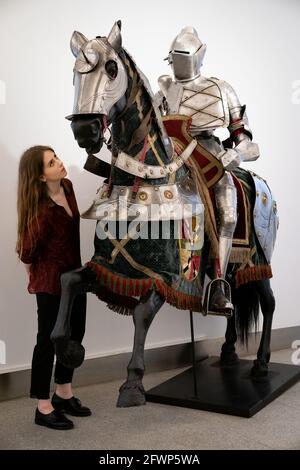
(31, 192)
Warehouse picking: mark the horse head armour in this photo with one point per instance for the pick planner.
(100, 82)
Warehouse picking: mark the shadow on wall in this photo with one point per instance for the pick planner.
(85, 186)
(8, 199)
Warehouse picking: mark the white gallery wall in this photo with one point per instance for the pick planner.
(254, 45)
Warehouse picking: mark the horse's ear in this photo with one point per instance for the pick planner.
(77, 41)
(114, 38)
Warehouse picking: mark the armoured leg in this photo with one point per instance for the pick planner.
(226, 201)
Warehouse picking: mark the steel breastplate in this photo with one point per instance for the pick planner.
(205, 101)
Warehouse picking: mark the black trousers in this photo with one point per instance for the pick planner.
(43, 354)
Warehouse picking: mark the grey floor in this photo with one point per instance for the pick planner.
(155, 426)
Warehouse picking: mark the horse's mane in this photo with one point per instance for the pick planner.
(133, 73)
(137, 81)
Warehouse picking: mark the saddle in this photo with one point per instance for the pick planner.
(207, 170)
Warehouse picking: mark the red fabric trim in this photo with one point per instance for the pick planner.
(210, 174)
(178, 128)
(237, 132)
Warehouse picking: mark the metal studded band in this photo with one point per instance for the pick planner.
(130, 165)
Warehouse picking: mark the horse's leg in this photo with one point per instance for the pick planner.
(228, 355)
(70, 352)
(267, 305)
(132, 392)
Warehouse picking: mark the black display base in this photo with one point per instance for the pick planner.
(228, 390)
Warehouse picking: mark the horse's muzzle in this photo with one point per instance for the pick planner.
(88, 131)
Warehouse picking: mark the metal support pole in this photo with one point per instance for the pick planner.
(194, 354)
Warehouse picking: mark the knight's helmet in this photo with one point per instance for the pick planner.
(186, 55)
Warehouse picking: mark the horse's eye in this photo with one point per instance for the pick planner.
(111, 68)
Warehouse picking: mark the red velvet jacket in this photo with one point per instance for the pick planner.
(57, 248)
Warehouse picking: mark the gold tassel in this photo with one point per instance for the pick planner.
(240, 255)
(253, 273)
(178, 299)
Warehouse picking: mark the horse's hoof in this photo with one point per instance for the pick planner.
(131, 394)
(69, 353)
(229, 359)
(259, 369)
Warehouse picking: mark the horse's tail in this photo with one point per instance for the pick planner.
(246, 300)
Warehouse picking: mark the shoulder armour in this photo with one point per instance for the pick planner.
(164, 82)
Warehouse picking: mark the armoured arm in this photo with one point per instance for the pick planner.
(166, 91)
(161, 102)
(244, 149)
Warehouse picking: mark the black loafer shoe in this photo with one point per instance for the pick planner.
(71, 406)
(54, 420)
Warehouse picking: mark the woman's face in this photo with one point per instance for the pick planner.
(54, 169)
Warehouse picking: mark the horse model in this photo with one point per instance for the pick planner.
(155, 231)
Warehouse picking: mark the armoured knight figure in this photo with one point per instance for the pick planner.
(212, 104)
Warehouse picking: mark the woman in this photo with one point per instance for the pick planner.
(48, 243)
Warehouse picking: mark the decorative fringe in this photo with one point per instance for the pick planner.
(120, 309)
(240, 255)
(119, 284)
(178, 299)
(119, 291)
(253, 273)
